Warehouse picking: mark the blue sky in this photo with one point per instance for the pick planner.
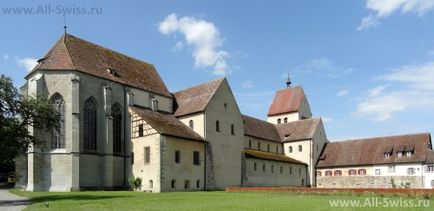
(367, 67)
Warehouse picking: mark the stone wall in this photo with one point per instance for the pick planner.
(370, 182)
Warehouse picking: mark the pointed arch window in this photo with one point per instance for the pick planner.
(117, 128)
(90, 123)
(58, 134)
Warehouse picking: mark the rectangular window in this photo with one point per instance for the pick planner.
(410, 171)
(132, 158)
(391, 168)
(430, 168)
(141, 130)
(177, 156)
(196, 158)
(147, 155)
(377, 171)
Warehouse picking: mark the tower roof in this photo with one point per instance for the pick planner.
(287, 101)
(196, 98)
(72, 53)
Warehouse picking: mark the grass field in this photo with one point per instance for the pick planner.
(125, 200)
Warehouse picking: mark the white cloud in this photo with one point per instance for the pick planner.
(343, 93)
(178, 46)
(203, 36)
(6, 57)
(247, 84)
(415, 91)
(323, 67)
(27, 63)
(384, 8)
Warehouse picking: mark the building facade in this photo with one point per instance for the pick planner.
(118, 120)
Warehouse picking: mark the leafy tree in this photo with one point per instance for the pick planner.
(17, 114)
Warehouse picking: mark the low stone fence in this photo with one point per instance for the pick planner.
(321, 191)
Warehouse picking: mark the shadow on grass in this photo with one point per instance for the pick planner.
(78, 197)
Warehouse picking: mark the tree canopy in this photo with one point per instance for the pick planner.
(17, 114)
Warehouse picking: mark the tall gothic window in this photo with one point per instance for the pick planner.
(58, 134)
(117, 128)
(90, 123)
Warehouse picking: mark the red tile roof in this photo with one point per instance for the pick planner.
(167, 124)
(250, 153)
(287, 101)
(196, 98)
(72, 53)
(298, 130)
(371, 151)
(260, 129)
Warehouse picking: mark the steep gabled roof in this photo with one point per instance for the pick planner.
(250, 153)
(72, 53)
(298, 130)
(167, 124)
(287, 101)
(371, 151)
(196, 98)
(260, 129)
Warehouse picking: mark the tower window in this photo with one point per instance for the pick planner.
(285, 120)
(217, 126)
(279, 121)
(177, 156)
(141, 130)
(290, 149)
(300, 148)
(191, 124)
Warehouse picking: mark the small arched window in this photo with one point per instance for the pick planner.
(232, 129)
(58, 134)
(255, 166)
(300, 148)
(173, 183)
(217, 126)
(290, 149)
(90, 124)
(338, 173)
(117, 128)
(285, 120)
(328, 173)
(151, 184)
(191, 124)
(263, 167)
(259, 145)
(268, 147)
(226, 107)
(361, 171)
(279, 121)
(198, 184)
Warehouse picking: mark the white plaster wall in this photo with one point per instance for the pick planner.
(294, 177)
(400, 169)
(292, 117)
(227, 149)
(147, 171)
(263, 145)
(199, 122)
(185, 170)
(141, 98)
(428, 176)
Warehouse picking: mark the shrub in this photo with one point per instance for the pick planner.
(135, 182)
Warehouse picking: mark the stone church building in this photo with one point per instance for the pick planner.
(118, 120)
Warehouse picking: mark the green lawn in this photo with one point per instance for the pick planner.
(124, 200)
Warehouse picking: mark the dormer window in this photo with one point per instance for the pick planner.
(400, 151)
(409, 150)
(399, 154)
(112, 72)
(388, 152)
(154, 104)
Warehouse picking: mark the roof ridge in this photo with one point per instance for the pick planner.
(67, 49)
(195, 86)
(377, 137)
(113, 51)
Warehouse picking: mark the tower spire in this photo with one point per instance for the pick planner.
(288, 82)
(64, 24)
